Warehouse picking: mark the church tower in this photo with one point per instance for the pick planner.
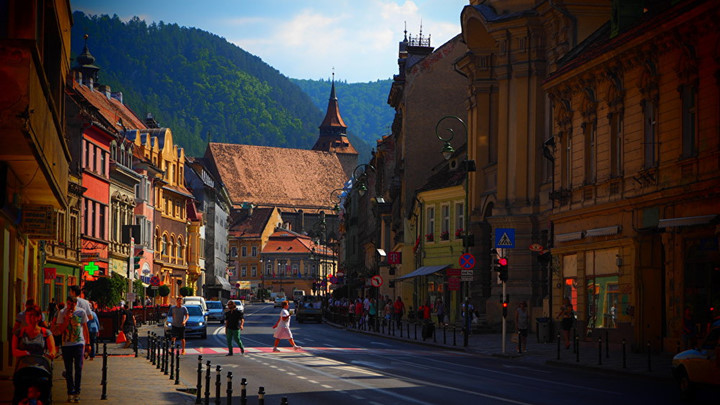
(333, 135)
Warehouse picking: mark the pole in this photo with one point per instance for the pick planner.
(131, 268)
(504, 321)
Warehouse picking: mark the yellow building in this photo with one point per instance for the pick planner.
(34, 162)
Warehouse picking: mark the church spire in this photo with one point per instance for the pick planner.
(332, 116)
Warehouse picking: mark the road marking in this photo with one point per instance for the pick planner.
(312, 381)
(326, 386)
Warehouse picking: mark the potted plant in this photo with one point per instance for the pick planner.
(459, 232)
(445, 235)
(429, 237)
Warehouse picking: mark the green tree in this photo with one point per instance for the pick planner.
(106, 291)
(164, 290)
(186, 291)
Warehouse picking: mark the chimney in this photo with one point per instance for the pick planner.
(90, 83)
(117, 96)
(150, 121)
(105, 89)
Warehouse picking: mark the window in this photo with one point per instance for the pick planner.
(430, 221)
(61, 228)
(268, 269)
(102, 162)
(243, 271)
(253, 271)
(253, 251)
(164, 246)
(616, 142)
(233, 251)
(101, 220)
(590, 152)
(445, 231)
(459, 219)
(689, 120)
(650, 134)
(294, 269)
(567, 163)
(243, 251)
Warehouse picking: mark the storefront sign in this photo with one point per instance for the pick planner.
(394, 257)
(50, 273)
(453, 283)
(38, 221)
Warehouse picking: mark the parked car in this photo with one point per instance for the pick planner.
(239, 305)
(309, 308)
(215, 311)
(196, 324)
(699, 366)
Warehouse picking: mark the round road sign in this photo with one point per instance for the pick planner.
(376, 281)
(154, 281)
(467, 261)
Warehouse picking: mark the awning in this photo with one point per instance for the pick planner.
(424, 271)
(223, 282)
(686, 221)
(609, 230)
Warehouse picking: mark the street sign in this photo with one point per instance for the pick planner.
(394, 257)
(376, 281)
(155, 281)
(505, 237)
(154, 287)
(339, 274)
(453, 283)
(466, 275)
(467, 261)
(536, 247)
(452, 272)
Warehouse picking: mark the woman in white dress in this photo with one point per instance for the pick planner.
(283, 331)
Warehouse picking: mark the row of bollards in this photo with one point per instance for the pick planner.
(395, 328)
(607, 351)
(164, 355)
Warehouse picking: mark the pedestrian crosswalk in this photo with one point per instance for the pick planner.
(269, 350)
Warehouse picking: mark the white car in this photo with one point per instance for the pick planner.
(239, 305)
(699, 366)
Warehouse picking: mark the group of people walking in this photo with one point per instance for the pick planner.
(72, 325)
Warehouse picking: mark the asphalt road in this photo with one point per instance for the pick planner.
(338, 366)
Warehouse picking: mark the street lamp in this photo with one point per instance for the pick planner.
(469, 165)
(360, 178)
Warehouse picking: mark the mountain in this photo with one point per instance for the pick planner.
(363, 106)
(200, 85)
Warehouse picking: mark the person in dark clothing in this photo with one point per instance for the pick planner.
(128, 324)
(234, 323)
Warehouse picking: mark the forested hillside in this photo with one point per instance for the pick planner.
(363, 106)
(201, 86)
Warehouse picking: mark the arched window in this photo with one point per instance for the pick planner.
(181, 250)
(128, 159)
(164, 247)
(122, 154)
(172, 247)
(113, 150)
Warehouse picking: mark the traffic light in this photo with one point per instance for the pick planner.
(505, 307)
(136, 260)
(502, 268)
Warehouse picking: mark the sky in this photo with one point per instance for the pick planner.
(305, 39)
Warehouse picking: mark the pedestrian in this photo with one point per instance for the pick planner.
(398, 311)
(521, 324)
(32, 339)
(234, 323)
(82, 303)
(20, 321)
(72, 325)
(57, 336)
(351, 314)
(467, 314)
(372, 314)
(440, 309)
(689, 330)
(566, 316)
(52, 308)
(128, 325)
(387, 312)
(180, 316)
(93, 329)
(283, 331)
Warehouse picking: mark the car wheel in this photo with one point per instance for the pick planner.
(686, 386)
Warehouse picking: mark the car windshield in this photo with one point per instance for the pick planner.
(214, 305)
(194, 311)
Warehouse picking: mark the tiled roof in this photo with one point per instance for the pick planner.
(284, 241)
(332, 116)
(111, 109)
(267, 176)
(250, 226)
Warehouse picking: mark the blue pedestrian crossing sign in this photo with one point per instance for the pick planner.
(505, 237)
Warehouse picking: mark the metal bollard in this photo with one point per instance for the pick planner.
(151, 348)
(261, 396)
(558, 346)
(135, 343)
(648, 352)
(243, 391)
(283, 401)
(177, 364)
(599, 351)
(577, 350)
(172, 362)
(103, 396)
(199, 380)
(229, 391)
(147, 354)
(207, 384)
(217, 384)
(158, 357)
(166, 345)
(623, 354)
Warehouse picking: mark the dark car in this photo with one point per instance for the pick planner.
(215, 311)
(309, 307)
(196, 324)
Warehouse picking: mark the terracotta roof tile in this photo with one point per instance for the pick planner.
(251, 226)
(284, 241)
(268, 176)
(110, 109)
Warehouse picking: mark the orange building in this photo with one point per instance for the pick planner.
(636, 124)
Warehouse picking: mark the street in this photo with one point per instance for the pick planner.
(336, 365)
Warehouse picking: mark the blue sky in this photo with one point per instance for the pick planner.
(305, 39)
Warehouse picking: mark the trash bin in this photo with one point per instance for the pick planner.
(543, 330)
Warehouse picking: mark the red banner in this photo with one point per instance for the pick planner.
(50, 273)
(394, 257)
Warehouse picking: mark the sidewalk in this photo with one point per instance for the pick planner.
(490, 344)
(130, 380)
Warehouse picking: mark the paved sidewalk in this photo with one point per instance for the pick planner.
(131, 380)
(490, 344)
